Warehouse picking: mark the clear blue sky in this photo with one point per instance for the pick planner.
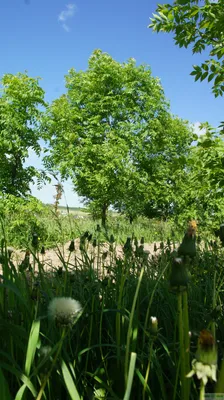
(48, 37)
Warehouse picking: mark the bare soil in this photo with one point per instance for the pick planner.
(58, 256)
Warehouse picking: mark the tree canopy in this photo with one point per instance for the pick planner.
(113, 134)
(204, 185)
(198, 24)
(20, 100)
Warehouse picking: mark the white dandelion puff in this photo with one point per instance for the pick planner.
(45, 351)
(64, 310)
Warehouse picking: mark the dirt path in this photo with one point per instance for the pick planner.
(53, 258)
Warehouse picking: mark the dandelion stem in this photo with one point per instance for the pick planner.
(130, 376)
(182, 352)
(186, 342)
(213, 328)
(90, 330)
(129, 334)
(202, 391)
(118, 318)
(39, 396)
(147, 371)
(220, 384)
(150, 303)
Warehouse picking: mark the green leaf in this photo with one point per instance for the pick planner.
(219, 79)
(197, 26)
(20, 393)
(198, 76)
(204, 75)
(157, 17)
(205, 67)
(11, 286)
(4, 388)
(20, 376)
(32, 345)
(131, 371)
(210, 77)
(69, 382)
(182, 2)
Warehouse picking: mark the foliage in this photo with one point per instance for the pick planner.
(22, 218)
(114, 136)
(165, 165)
(202, 181)
(106, 110)
(199, 24)
(118, 295)
(20, 102)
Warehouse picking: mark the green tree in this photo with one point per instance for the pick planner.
(100, 128)
(199, 24)
(20, 100)
(165, 162)
(204, 186)
(154, 189)
(136, 188)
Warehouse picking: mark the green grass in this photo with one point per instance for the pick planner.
(110, 352)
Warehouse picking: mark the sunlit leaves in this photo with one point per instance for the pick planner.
(97, 132)
(199, 25)
(20, 100)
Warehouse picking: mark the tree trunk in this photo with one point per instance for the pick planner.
(131, 219)
(104, 215)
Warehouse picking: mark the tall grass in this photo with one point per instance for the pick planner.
(110, 352)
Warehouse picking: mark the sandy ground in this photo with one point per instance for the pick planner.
(56, 257)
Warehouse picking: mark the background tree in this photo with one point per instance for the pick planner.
(113, 134)
(199, 24)
(160, 165)
(99, 128)
(204, 183)
(21, 99)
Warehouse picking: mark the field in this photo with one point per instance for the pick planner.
(105, 324)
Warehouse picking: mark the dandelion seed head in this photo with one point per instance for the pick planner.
(64, 310)
(45, 351)
(178, 260)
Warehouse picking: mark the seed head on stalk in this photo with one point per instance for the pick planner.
(64, 310)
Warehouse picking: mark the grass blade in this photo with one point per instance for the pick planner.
(69, 382)
(4, 388)
(130, 376)
(131, 321)
(32, 345)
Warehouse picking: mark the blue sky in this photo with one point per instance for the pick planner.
(48, 37)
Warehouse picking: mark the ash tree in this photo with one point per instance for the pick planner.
(102, 130)
(21, 99)
(164, 161)
(198, 24)
(204, 186)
